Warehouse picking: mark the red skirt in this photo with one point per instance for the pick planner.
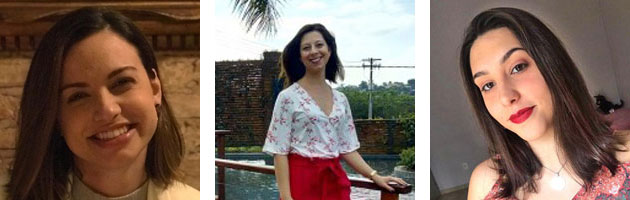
(317, 179)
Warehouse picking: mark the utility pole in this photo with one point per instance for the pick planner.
(372, 65)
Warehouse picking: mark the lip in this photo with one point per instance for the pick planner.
(118, 141)
(521, 115)
(315, 60)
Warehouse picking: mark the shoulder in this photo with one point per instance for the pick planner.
(340, 95)
(177, 190)
(482, 179)
(624, 155)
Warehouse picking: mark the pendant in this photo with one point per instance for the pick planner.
(557, 183)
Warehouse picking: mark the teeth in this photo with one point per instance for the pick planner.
(315, 60)
(112, 134)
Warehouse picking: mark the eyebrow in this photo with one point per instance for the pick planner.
(505, 57)
(109, 76)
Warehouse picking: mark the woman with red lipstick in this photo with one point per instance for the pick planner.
(311, 127)
(93, 121)
(541, 126)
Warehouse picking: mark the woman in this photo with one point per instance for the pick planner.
(542, 129)
(93, 121)
(312, 126)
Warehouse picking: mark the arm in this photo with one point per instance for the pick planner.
(359, 165)
(281, 164)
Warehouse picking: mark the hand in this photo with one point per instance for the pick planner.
(384, 180)
(286, 197)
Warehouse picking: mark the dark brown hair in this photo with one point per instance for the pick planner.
(292, 67)
(42, 158)
(581, 134)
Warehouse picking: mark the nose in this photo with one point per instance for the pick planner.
(107, 107)
(509, 95)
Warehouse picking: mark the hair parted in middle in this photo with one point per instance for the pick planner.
(291, 66)
(581, 134)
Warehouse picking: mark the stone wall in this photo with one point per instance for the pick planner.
(180, 82)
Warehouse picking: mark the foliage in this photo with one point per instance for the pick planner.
(260, 13)
(244, 149)
(408, 125)
(407, 158)
(390, 100)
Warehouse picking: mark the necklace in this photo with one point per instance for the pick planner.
(557, 183)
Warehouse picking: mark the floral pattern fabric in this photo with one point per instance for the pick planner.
(298, 125)
(605, 185)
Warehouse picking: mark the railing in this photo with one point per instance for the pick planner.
(222, 163)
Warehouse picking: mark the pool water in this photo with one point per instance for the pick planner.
(242, 184)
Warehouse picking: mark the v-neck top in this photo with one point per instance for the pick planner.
(298, 125)
(604, 186)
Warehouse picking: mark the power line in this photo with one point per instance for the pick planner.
(373, 64)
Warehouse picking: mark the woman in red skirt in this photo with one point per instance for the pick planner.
(311, 127)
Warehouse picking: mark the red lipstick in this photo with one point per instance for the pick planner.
(521, 115)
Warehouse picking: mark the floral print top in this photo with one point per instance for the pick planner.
(605, 185)
(299, 126)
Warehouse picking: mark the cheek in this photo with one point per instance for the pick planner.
(495, 109)
(72, 120)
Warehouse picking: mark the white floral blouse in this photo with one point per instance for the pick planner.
(299, 126)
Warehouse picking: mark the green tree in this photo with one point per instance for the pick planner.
(390, 100)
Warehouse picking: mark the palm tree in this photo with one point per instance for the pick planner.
(262, 13)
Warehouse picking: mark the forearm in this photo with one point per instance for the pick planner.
(281, 164)
(357, 163)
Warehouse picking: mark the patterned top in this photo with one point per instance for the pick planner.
(605, 186)
(299, 126)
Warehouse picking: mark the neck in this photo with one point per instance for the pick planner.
(114, 182)
(312, 79)
(549, 152)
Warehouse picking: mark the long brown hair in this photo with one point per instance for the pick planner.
(581, 134)
(42, 158)
(291, 66)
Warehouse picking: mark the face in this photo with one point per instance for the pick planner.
(513, 89)
(108, 113)
(314, 52)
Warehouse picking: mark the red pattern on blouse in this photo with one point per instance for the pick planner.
(605, 186)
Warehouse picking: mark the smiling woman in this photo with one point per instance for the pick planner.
(93, 121)
(312, 126)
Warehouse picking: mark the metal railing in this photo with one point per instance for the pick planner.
(223, 163)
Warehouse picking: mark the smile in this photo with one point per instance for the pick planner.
(315, 60)
(112, 133)
(521, 115)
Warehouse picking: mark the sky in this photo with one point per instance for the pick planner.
(363, 28)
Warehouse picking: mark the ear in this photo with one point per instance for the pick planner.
(156, 87)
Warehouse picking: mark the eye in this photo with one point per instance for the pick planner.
(306, 48)
(122, 83)
(319, 45)
(77, 96)
(486, 87)
(518, 68)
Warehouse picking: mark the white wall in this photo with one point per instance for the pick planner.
(616, 17)
(603, 57)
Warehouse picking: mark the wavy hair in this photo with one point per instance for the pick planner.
(292, 67)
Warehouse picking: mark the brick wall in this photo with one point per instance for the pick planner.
(244, 101)
(180, 81)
